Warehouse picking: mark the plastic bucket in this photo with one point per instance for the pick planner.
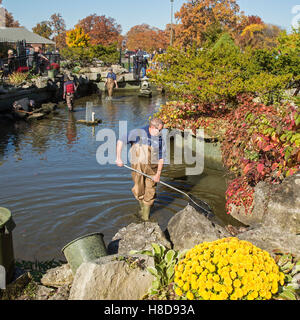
(84, 249)
(51, 74)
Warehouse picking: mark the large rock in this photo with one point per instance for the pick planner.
(43, 293)
(58, 277)
(112, 278)
(62, 293)
(41, 82)
(137, 237)
(271, 238)
(260, 204)
(96, 70)
(93, 76)
(85, 70)
(128, 77)
(274, 206)
(117, 69)
(189, 228)
(283, 209)
(104, 74)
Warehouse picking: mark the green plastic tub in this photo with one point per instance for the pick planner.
(84, 249)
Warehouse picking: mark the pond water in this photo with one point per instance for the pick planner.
(57, 191)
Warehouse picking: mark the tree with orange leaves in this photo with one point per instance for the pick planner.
(259, 36)
(101, 29)
(58, 26)
(147, 38)
(10, 21)
(197, 17)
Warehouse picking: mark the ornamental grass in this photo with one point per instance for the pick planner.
(227, 269)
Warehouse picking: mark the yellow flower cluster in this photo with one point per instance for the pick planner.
(227, 269)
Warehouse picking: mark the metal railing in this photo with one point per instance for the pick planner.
(24, 58)
(16, 63)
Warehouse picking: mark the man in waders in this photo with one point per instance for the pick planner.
(147, 155)
(111, 81)
(69, 92)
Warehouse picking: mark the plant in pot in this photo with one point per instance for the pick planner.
(53, 70)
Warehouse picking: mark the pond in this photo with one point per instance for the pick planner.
(57, 191)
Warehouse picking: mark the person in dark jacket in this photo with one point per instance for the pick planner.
(22, 108)
(145, 65)
(24, 104)
(39, 61)
(139, 59)
(10, 61)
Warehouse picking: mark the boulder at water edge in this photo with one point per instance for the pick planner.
(58, 277)
(113, 278)
(275, 206)
(137, 236)
(189, 228)
(273, 238)
(283, 210)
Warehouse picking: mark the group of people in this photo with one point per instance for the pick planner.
(148, 149)
(37, 60)
(26, 105)
(33, 59)
(70, 88)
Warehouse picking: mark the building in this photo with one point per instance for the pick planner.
(15, 35)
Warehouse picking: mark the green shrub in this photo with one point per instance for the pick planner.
(218, 74)
(85, 56)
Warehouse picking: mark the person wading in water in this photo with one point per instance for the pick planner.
(147, 155)
(69, 92)
(111, 81)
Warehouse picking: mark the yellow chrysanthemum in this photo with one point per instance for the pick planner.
(209, 284)
(186, 287)
(216, 278)
(180, 283)
(206, 295)
(228, 269)
(178, 291)
(194, 285)
(190, 296)
(181, 267)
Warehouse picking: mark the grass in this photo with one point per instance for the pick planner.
(38, 268)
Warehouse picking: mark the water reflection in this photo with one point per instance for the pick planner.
(71, 132)
(58, 191)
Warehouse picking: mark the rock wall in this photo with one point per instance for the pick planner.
(275, 206)
(122, 276)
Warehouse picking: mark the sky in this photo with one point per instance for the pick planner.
(156, 13)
